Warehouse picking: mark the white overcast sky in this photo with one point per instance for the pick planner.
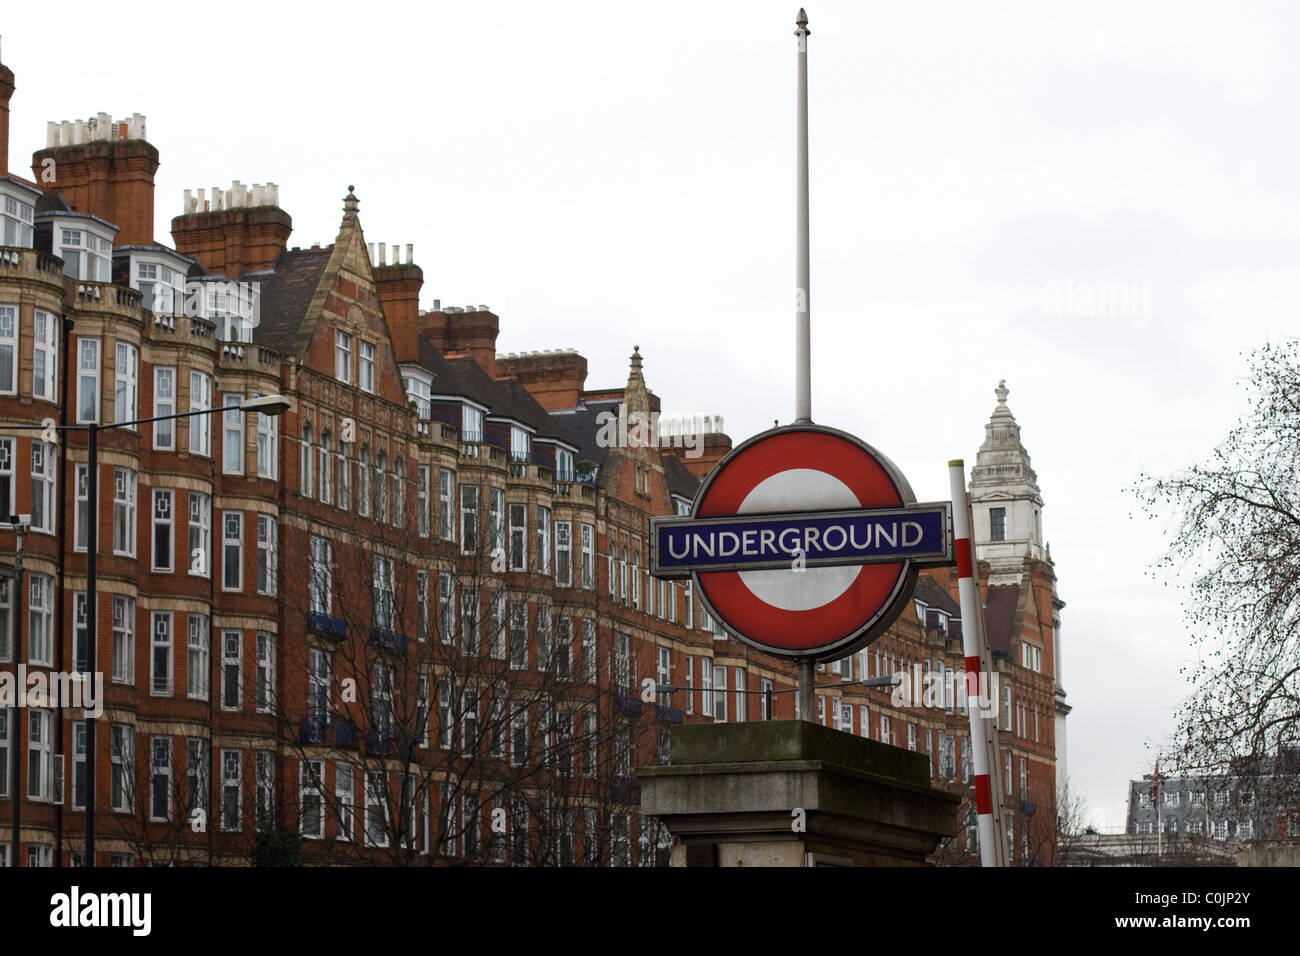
(603, 175)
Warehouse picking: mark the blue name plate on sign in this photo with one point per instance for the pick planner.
(811, 539)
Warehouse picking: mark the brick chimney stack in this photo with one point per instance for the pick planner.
(398, 284)
(6, 91)
(555, 378)
(104, 167)
(471, 331)
(237, 230)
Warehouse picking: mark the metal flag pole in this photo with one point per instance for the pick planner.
(802, 333)
(802, 329)
(983, 730)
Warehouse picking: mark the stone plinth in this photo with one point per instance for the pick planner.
(793, 793)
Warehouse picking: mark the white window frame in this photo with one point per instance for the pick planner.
(200, 533)
(200, 428)
(383, 594)
(588, 532)
(344, 800)
(160, 771)
(446, 504)
(343, 356)
(40, 620)
(366, 365)
(469, 529)
(232, 433)
(124, 511)
(446, 606)
(9, 328)
(45, 356)
(564, 554)
(320, 584)
(126, 389)
(43, 500)
(198, 659)
(376, 809)
(88, 369)
(232, 544)
(163, 522)
(8, 448)
(264, 789)
(232, 670)
(311, 784)
(268, 445)
(518, 536)
(422, 489)
(123, 639)
(232, 790)
(40, 754)
(122, 764)
(161, 640)
(264, 675)
(543, 540)
(267, 554)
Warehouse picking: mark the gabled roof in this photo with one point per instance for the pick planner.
(680, 479)
(581, 427)
(504, 398)
(930, 593)
(287, 292)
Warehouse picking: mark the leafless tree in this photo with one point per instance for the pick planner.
(1235, 538)
(485, 731)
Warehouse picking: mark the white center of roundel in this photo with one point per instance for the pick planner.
(802, 489)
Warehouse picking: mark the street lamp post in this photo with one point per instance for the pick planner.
(265, 405)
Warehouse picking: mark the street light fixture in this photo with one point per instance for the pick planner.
(265, 405)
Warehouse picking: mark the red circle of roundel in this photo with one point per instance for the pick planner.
(739, 607)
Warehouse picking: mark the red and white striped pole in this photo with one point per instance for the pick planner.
(983, 730)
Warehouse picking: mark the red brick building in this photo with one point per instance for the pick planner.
(411, 621)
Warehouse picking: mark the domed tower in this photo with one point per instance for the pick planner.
(1005, 497)
(1022, 606)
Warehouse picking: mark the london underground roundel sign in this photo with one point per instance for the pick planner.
(804, 542)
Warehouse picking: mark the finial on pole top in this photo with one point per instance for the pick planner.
(801, 24)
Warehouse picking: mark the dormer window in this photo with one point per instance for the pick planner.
(159, 287)
(520, 444)
(471, 423)
(16, 222)
(229, 306)
(420, 392)
(563, 465)
(85, 255)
